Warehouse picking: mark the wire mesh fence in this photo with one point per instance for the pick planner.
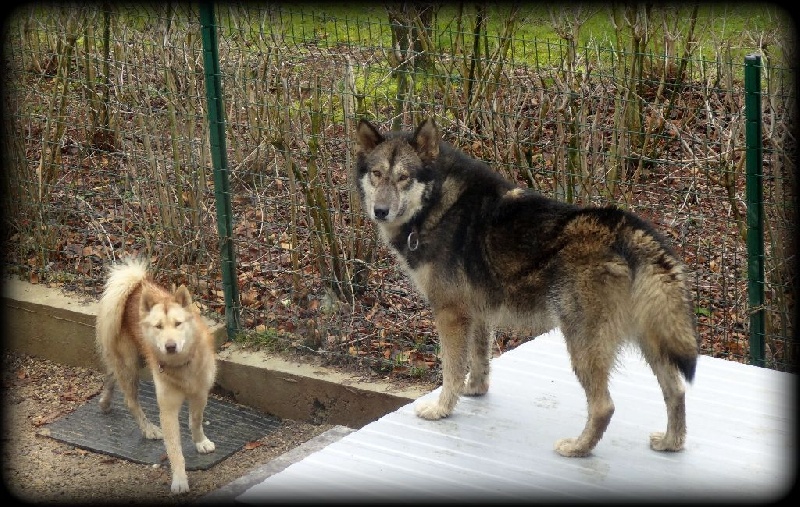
(106, 144)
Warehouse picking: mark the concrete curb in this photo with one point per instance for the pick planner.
(44, 322)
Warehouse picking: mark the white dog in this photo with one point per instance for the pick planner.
(139, 319)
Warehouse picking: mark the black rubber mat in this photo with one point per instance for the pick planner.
(230, 427)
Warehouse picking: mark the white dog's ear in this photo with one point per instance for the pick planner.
(426, 139)
(148, 299)
(367, 136)
(183, 297)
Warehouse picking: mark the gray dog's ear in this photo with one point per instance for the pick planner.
(426, 139)
(367, 136)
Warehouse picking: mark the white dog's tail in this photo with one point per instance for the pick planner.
(123, 279)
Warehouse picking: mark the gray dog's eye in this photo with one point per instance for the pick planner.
(402, 177)
(376, 173)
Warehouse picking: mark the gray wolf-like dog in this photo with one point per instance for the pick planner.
(486, 253)
(137, 319)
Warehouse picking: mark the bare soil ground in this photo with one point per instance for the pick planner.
(39, 469)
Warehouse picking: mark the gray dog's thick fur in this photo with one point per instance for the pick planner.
(486, 253)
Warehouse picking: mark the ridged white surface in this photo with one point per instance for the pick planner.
(740, 447)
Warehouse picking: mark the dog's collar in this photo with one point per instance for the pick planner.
(412, 241)
(161, 365)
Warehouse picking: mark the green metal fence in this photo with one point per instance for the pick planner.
(217, 142)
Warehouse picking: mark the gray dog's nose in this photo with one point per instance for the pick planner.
(381, 213)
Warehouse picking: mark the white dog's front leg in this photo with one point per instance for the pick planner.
(197, 406)
(169, 405)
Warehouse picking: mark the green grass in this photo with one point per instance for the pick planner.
(722, 29)
(738, 25)
(269, 339)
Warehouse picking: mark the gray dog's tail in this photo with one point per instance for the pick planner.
(663, 304)
(686, 364)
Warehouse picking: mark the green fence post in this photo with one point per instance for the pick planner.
(755, 202)
(219, 159)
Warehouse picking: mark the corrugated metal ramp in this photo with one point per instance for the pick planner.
(741, 445)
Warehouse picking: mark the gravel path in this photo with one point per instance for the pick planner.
(37, 468)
